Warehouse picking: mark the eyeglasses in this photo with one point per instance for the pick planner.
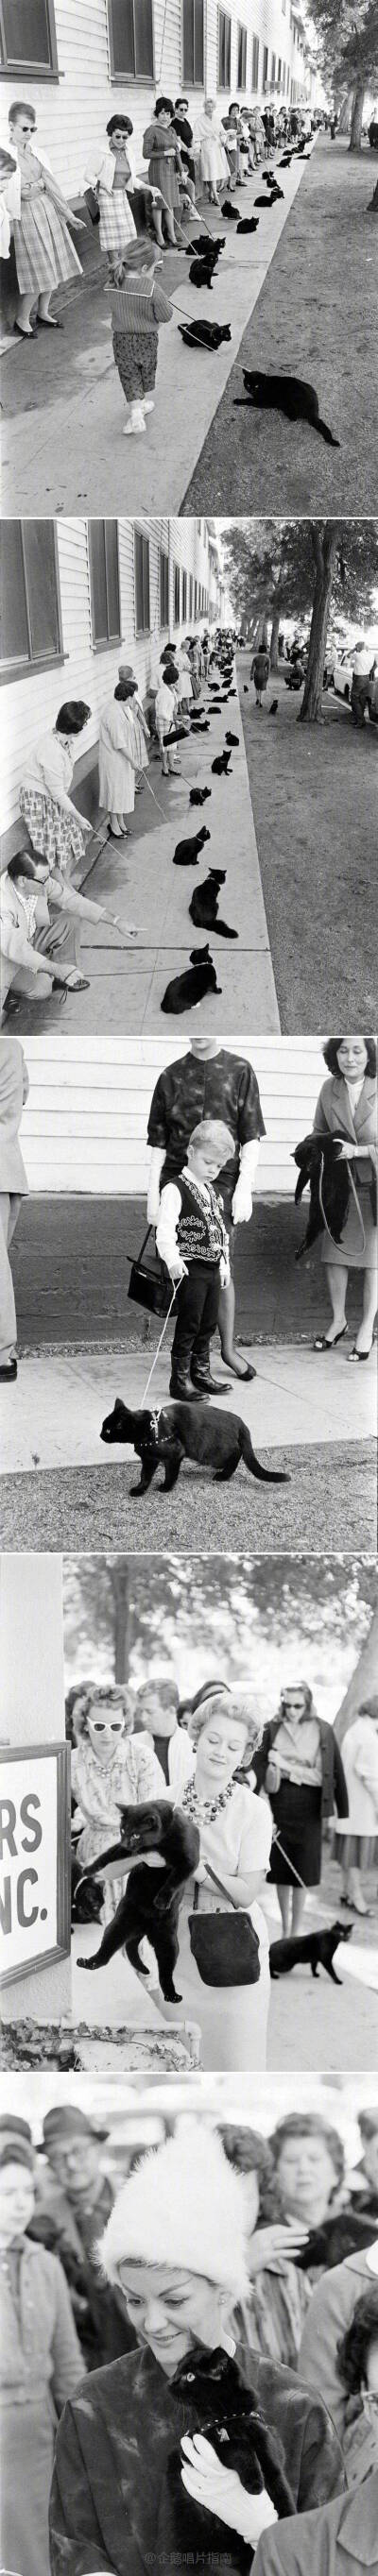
(26, 129)
(107, 1726)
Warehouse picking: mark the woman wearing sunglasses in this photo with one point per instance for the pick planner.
(44, 254)
(110, 1767)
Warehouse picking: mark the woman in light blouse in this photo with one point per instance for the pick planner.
(235, 1830)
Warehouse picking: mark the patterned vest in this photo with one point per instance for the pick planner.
(201, 1233)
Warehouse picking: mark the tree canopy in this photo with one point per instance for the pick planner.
(348, 35)
(271, 567)
(234, 1618)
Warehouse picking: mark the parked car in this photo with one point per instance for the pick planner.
(355, 658)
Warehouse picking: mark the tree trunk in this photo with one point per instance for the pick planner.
(364, 1682)
(345, 114)
(263, 637)
(324, 541)
(274, 657)
(120, 1583)
(373, 202)
(357, 116)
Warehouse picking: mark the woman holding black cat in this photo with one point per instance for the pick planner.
(235, 1830)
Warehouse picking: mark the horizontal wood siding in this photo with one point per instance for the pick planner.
(85, 1124)
(72, 112)
(30, 704)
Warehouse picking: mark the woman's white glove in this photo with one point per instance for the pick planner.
(242, 1203)
(221, 2492)
(178, 1270)
(153, 1195)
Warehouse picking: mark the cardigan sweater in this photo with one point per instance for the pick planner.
(139, 305)
(334, 1788)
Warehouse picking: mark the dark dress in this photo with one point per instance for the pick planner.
(188, 1091)
(106, 2515)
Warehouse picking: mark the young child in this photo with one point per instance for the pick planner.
(137, 307)
(191, 1238)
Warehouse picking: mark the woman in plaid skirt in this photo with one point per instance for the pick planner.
(113, 182)
(57, 832)
(44, 254)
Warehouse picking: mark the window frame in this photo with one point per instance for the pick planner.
(198, 78)
(140, 532)
(104, 643)
(163, 589)
(224, 22)
(265, 68)
(255, 64)
(177, 595)
(36, 663)
(12, 71)
(129, 80)
(241, 81)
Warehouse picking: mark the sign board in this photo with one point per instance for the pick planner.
(34, 1858)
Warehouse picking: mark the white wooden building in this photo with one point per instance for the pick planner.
(78, 596)
(85, 1125)
(78, 60)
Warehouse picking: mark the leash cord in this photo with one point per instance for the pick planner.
(159, 1347)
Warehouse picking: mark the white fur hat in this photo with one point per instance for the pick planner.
(184, 2206)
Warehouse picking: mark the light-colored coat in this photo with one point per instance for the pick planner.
(181, 1764)
(14, 1086)
(338, 2540)
(331, 2308)
(122, 752)
(360, 1758)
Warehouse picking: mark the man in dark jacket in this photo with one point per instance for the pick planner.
(71, 2222)
(209, 1081)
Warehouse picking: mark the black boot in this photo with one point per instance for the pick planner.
(181, 1387)
(206, 1384)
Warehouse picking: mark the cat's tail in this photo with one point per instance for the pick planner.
(265, 1475)
(224, 932)
(326, 433)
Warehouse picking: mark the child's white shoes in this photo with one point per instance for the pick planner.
(135, 427)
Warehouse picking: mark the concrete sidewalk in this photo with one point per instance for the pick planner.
(136, 879)
(316, 319)
(64, 409)
(52, 1416)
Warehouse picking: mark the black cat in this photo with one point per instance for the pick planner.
(204, 905)
(201, 273)
(309, 1949)
(208, 244)
(200, 728)
(231, 212)
(287, 394)
(198, 1431)
(149, 1905)
(199, 795)
(273, 708)
(319, 1160)
(220, 767)
(248, 224)
(234, 738)
(213, 2400)
(184, 991)
(188, 852)
(204, 335)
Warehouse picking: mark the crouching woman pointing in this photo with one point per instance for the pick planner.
(164, 2459)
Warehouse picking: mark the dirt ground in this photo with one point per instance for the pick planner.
(83, 1507)
(314, 795)
(308, 323)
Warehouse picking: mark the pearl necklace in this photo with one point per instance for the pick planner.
(206, 1809)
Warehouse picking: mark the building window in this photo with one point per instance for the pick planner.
(131, 39)
(184, 596)
(176, 594)
(28, 38)
(265, 66)
(273, 70)
(31, 630)
(255, 62)
(224, 49)
(193, 43)
(104, 582)
(142, 583)
(242, 57)
(164, 589)
(190, 594)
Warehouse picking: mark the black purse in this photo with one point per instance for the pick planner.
(149, 1284)
(225, 1947)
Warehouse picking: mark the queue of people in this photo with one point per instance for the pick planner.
(210, 2274)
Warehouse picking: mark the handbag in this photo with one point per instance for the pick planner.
(149, 1284)
(225, 1947)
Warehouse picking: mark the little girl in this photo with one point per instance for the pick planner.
(137, 308)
